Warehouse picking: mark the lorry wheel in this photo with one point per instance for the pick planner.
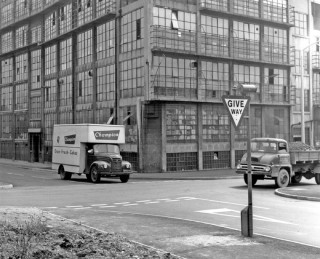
(317, 176)
(296, 179)
(283, 179)
(94, 175)
(124, 178)
(89, 177)
(63, 174)
(254, 179)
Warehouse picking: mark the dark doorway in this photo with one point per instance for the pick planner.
(35, 147)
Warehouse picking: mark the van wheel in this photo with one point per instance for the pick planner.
(283, 179)
(124, 178)
(63, 174)
(296, 179)
(94, 175)
(317, 176)
(253, 178)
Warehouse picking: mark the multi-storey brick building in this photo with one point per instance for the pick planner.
(158, 66)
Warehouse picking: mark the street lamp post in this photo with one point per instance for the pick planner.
(302, 50)
(302, 97)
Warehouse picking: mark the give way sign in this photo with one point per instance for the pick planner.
(236, 105)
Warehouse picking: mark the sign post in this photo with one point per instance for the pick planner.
(236, 106)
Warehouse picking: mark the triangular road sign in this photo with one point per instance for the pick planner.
(236, 105)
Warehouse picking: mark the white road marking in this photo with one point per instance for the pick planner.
(144, 201)
(171, 200)
(83, 208)
(151, 202)
(98, 205)
(111, 206)
(76, 206)
(130, 204)
(236, 214)
(238, 204)
(48, 208)
(121, 203)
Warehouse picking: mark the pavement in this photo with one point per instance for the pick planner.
(221, 242)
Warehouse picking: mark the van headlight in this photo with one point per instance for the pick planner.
(238, 166)
(128, 166)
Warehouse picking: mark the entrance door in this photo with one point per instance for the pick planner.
(35, 147)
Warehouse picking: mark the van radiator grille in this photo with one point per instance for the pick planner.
(116, 165)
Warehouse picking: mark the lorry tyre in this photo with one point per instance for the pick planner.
(254, 179)
(63, 174)
(124, 178)
(89, 177)
(283, 179)
(296, 179)
(94, 175)
(317, 176)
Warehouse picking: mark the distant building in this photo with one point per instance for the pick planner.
(160, 67)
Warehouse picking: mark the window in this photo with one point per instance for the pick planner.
(36, 33)
(65, 18)
(248, 75)
(246, 39)
(84, 50)
(105, 40)
(84, 8)
(138, 25)
(50, 93)
(22, 8)
(174, 77)
(276, 85)
(50, 59)
(301, 24)
(131, 77)
(214, 36)
(106, 83)
(215, 124)
(84, 88)
(275, 10)
(50, 26)
(36, 69)
(132, 31)
(104, 7)
(129, 118)
(6, 124)
(66, 54)
(215, 79)
(245, 7)
(35, 108)
(6, 42)
(65, 91)
(21, 96)
(181, 123)
(7, 71)
(275, 45)
(21, 36)
(7, 13)
(22, 67)
(174, 20)
(6, 98)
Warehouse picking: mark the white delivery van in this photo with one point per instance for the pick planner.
(91, 149)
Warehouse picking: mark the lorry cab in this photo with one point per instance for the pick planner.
(269, 158)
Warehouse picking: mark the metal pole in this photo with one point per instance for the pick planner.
(302, 98)
(250, 212)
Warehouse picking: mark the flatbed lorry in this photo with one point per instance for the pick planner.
(276, 159)
(90, 149)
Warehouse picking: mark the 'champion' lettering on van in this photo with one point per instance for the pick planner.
(71, 139)
(107, 135)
